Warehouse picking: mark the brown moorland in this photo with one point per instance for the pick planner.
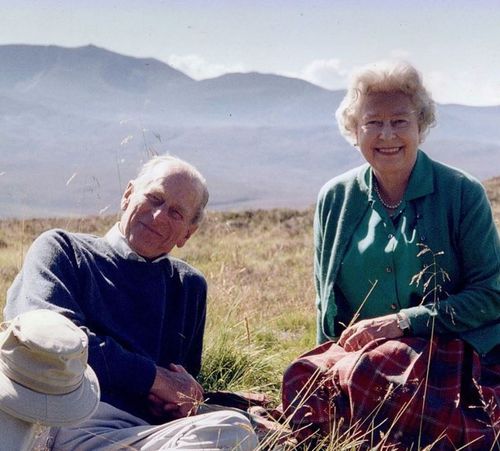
(261, 295)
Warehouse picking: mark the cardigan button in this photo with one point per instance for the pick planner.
(422, 238)
(388, 269)
(394, 306)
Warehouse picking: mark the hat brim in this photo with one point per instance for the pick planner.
(50, 410)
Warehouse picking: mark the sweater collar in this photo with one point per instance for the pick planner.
(421, 180)
(119, 243)
(420, 184)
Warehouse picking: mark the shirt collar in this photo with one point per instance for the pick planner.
(369, 183)
(421, 180)
(365, 181)
(119, 243)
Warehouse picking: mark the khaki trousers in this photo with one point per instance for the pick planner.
(113, 429)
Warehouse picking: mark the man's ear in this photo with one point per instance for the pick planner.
(126, 195)
(182, 241)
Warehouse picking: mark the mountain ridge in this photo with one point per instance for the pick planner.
(261, 140)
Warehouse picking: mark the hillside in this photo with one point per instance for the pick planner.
(258, 265)
(76, 123)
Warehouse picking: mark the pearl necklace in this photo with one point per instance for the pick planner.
(384, 203)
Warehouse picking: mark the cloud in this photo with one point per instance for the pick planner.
(467, 88)
(334, 74)
(327, 73)
(198, 68)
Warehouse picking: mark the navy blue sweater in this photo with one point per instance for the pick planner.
(136, 314)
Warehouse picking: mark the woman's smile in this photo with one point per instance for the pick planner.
(388, 150)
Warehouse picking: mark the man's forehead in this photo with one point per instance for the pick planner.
(165, 178)
(165, 172)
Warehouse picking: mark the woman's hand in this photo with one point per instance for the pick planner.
(366, 330)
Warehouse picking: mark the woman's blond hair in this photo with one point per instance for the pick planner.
(398, 76)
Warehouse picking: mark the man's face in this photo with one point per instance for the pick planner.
(158, 213)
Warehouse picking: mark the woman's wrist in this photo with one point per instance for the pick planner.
(403, 323)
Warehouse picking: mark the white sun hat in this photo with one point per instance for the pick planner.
(44, 375)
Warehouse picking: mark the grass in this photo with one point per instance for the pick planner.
(260, 309)
(258, 265)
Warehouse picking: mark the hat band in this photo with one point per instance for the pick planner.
(37, 385)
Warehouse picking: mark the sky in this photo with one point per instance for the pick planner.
(454, 43)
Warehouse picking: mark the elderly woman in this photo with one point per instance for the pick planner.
(407, 264)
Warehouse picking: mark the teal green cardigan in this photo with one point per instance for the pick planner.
(453, 217)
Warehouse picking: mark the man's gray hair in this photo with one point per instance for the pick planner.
(170, 160)
(388, 77)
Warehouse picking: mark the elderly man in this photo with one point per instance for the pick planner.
(144, 313)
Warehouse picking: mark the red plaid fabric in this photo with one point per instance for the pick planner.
(380, 390)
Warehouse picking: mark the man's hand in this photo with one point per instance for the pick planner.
(364, 331)
(175, 393)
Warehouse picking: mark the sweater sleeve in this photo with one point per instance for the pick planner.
(477, 302)
(51, 278)
(194, 353)
(193, 365)
(318, 251)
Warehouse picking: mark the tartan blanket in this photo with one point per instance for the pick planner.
(382, 391)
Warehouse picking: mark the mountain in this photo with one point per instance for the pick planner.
(75, 124)
(47, 72)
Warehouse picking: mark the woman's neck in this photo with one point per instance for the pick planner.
(391, 187)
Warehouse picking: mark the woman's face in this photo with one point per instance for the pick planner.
(388, 133)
